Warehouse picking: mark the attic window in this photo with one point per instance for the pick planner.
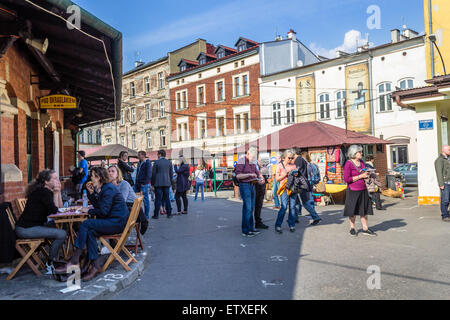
(242, 47)
(202, 60)
(221, 54)
(183, 68)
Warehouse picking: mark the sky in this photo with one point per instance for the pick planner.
(152, 28)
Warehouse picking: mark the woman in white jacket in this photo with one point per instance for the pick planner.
(199, 177)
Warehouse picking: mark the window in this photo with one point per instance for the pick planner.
(81, 137)
(122, 117)
(180, 132)
(183, 68)
(181, 100)
(384, 97)
(149, 139)
(202, 60)
(340, 104)
(133, 141)
(98, 137)
(242, 47)
(133, 115)
(122, 140)
(221, 126)
(276, 113)
(290, 111)
(201, 95)
(90, 136)
(236, 87)
(238, 123)
(184, 99)
(132, 90)
(162, 135)
(108, 125)
(246, 123)
(243, 63)
(148, 111)
(147, 84)
(245, 83)
(406, 84)
(324, 106)
(162, 112)
(219, 91)
(178, 100)
(202, 128)
(221, 54)
(161, 80)
(183, 133)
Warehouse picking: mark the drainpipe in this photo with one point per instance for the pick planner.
(76, 145)
(399, 102)
(430, 17)
(372, 109)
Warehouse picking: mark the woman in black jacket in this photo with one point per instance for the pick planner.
(125, 168)
(183, 185)
(43, 199)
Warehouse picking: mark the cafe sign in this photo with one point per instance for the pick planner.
(58, 101)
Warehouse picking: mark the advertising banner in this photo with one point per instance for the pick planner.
(358, 105)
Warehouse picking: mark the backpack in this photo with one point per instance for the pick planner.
(234, 178)
(313, 174)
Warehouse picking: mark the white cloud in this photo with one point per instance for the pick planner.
(352, 40)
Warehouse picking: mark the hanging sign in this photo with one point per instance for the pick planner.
(58, 101)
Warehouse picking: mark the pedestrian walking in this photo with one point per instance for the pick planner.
(82, 164)
(357, 201)
(183, 185)
(248, 175)
(199, 177)
(373, 185)
(260, 193)
(44, 198)
(143, 178)
(287, 198)
(128, 194)
(303, 163)
(276, 184)
(126, 169)
(111, 214)
(162, 176)
(442, 167)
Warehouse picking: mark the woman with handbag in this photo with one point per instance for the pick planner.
(183, 185)
(357, 201)
(199, 177)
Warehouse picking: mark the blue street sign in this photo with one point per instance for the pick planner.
(273, 160)
(234, 164)
(426, 124)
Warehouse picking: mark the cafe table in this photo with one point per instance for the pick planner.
(65, 219)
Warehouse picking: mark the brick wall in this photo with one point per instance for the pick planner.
(211, 107)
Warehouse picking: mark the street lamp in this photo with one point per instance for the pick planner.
(433, 39)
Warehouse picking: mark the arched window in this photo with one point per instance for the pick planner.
(99, 136)
(89, 136)
(290, 111)
(340, 104)
(384, 96)
(276, 113)
(324, 106)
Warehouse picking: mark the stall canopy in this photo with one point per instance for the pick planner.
(75, 63)
(111, 151)
(308, 135)
(190, 153)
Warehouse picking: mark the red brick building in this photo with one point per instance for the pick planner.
(215, 99)
(42, 57)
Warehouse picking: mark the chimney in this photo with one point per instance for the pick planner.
(292, 35)
(395, 35)
(279, 38)
(408, 33)
(341, 54)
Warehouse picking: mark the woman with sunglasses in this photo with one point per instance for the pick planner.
(282, 173)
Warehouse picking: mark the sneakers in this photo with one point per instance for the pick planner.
(369, 232)
(292, 229)
(261, 226)
(278, 229)
(315, 222)
(249, 234)
(255, 232)
(353, 232)
(447, 219)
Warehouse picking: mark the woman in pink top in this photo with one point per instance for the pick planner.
(357, 201)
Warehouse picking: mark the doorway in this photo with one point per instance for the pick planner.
(399, 155)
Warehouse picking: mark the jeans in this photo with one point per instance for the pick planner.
(171, 196)
(162, 196)
(276, 185)
(259, 201)
(46, 232)
(144, 189)
(445, 200)
(248, 194)
(201, 186)
(179, 195)
(91, 229)
(308, 203)
(287, 201)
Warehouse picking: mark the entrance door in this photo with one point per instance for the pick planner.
(399, 155)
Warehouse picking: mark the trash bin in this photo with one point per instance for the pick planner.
(390, 181)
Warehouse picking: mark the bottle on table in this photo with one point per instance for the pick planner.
(85, 199)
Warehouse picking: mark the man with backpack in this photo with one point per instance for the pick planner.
(302, 162)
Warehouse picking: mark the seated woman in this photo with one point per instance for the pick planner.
(128, 194)
(111, 214)
(44, 198)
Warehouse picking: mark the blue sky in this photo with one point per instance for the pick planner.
(154, 28)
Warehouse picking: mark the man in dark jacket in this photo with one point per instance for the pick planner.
(442, 167)
(125, 168)
(143, 178)
(162, 175)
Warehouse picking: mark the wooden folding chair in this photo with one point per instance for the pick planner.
(21, 203)
(28, 249)
(122, 239)
(139, 243)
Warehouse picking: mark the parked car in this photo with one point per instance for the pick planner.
(409, 172)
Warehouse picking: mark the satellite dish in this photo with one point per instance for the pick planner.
(299, 63)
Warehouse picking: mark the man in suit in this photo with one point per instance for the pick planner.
(143, 178)
(162, 175)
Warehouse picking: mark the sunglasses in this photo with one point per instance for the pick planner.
(291, 158)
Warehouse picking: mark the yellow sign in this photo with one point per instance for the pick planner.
(306, 99)
(358, 106)
(58, 101)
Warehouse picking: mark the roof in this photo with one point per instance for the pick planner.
(195, 63)
(145, 66)
(110, 151)
(247, 40)
(308, 135)
(212, 56)
(226, 48)
(74, 63)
